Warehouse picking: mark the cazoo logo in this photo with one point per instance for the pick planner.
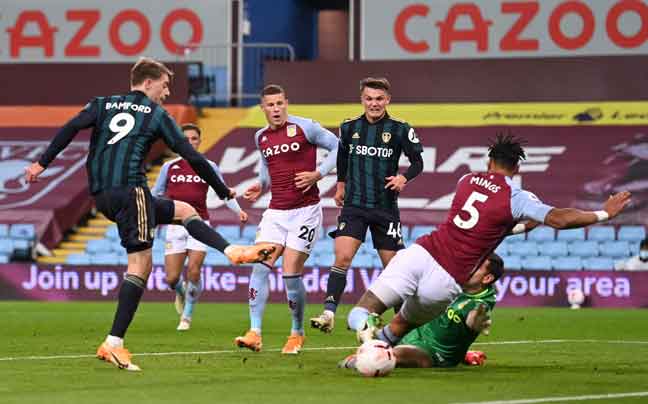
(15, 156)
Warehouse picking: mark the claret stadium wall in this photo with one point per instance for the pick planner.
(584, 116)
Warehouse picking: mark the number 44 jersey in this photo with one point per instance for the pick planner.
(485, 208)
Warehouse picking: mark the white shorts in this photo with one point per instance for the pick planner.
(415, 278)
(293, 228)
(178, 240)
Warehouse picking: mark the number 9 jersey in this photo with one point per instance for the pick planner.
(124, 128)
(485, 208)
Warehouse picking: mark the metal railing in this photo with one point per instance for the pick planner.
(230, 74)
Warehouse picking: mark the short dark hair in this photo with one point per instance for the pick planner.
(377, 83)
(191, 126)
(147, 68)
(644, 243)
(495, 266)
(506, 150)
(272, 89)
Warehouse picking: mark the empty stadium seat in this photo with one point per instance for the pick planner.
(4, 230)
(112, 232)
(419, 230)
(4, 258)
(524, 248)
(571, 235)
(512, 262)
(215, 258)
(553, 248)
(6, 246)
(598, 263)
(109, 258)
(405, 231)
(631, 233)
(542, 233)
(324, 259)
(99, 246)
(515, 238)
(536, 263)
(615, 249)
(78, 259)
(583, 248)
(567, 263)
(601, 233)
(326, 245)
(362, 261)
(249, 232)
(158, 258)
(22, 231)
(229, 231)
(502, 250)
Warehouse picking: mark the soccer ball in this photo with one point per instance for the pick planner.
(375, 358)
(576, 298)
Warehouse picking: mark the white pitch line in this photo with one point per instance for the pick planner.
(561, 399)
(331, 348)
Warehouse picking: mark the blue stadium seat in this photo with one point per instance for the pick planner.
(324, 246)
(160, 232)
(567, 263)
(362, 261)
(598, 263)
(419, 230)
(4, 230)
(571, 235)
(324, 259)
(22, 231)
(512, 262)
(405, 231)
(542, 233)
(553, 248)
(536, 263)
(615, 249)
(113, 234)
(583, 248)
(158, 258)
(229, 231)
(601, 233)
(524, 248)
(249, 232)
(631, 233)
(4, 258)
(377, 263)
(99, 246)
(104, 259)
(215, 258)
(502, 250)
(515, 238)
(6, 246)
(123, 259)
(78, 259)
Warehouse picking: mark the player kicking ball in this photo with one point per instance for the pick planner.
(178, 181)
(444, 341)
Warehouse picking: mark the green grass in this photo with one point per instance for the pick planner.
(513, 371)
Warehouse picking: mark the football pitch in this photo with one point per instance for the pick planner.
(534, 356)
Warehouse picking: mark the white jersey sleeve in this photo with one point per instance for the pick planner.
(160, 184)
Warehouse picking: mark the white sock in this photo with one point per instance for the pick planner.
(115, 342)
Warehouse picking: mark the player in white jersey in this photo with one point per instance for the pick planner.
(178, 181)
(288, 146)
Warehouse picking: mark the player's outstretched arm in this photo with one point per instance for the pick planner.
(567, 218)
(84, 119)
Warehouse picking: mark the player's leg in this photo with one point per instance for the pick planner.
(300, 239)
(132, 209)
(201, 231)
(175, 254)
(271, 232)
(394, 285)
(193, 288)
(293, 268)
(387, 237)
(350, 234)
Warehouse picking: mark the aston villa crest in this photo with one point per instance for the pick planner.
(291, 130)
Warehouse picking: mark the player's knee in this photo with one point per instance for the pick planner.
(172, 279)
(343, 260)
(183, 210)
